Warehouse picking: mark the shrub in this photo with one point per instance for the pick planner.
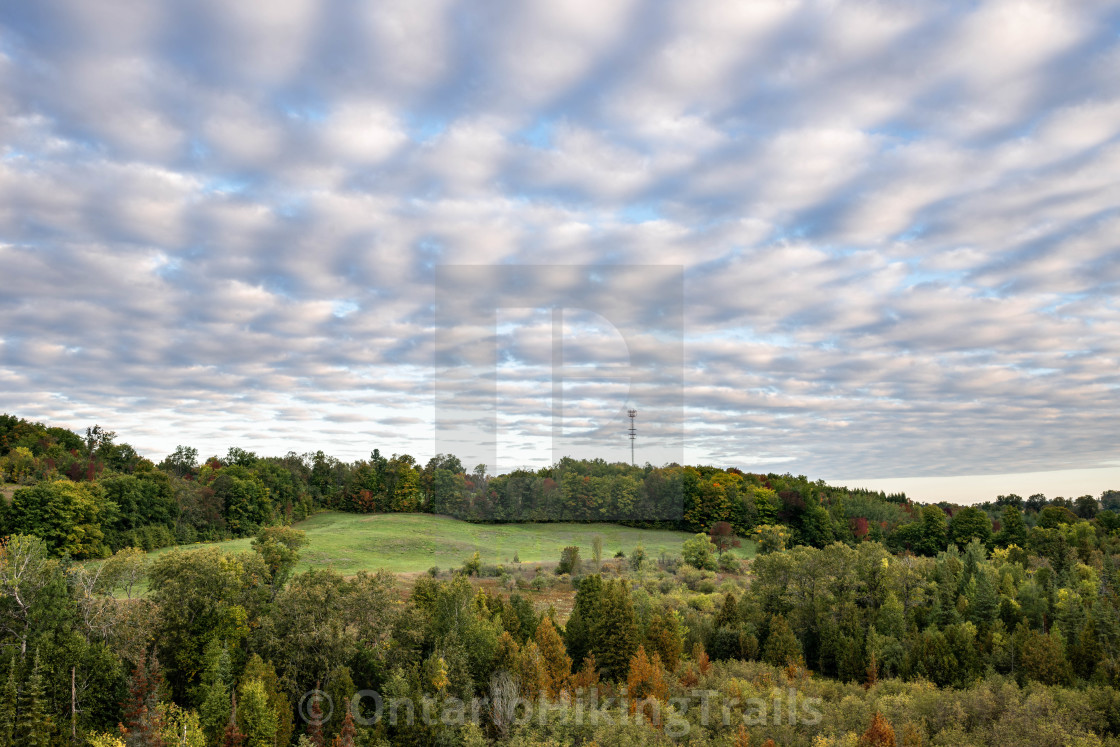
(728, 563)
(697, 552)
(668, 563)
(569, 561)
(637, 558)
(472, 566)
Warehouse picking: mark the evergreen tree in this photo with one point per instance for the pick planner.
(347, 733)
(214, 713)
(782, 647)
(315, 723)
(892, 618)
(36, 728)
(9, 706)
(983, 599)
(142, 713)
(664, 639)
(728, 616)
(878, 734)
(586, 610)
(645, 679)
(615, 634)
(340, 688)
(531, 671)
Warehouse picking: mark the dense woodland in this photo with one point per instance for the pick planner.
(864, 619)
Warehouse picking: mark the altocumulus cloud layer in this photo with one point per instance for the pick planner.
(219, 222)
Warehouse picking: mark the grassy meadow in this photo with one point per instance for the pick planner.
(407, 543)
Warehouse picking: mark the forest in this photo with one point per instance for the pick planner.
(865, 618)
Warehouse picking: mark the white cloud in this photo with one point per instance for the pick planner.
(897, 221)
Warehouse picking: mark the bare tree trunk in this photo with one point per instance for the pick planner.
(73, 704)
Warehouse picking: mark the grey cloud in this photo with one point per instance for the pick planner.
(897, 221)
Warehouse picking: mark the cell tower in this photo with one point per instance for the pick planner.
(633, 433)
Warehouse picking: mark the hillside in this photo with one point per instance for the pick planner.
(405, 543)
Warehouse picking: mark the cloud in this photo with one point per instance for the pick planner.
(896, 221)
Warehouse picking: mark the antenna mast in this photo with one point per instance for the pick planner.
(633, 433)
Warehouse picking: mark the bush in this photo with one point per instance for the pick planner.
(728, 563)
(698, 552)
(637, 558)
(569, 561)
(433, 571)
(472, 566)
(668, 563)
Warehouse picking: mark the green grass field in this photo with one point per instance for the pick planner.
(405, 543)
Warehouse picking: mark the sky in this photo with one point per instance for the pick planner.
(895, 226)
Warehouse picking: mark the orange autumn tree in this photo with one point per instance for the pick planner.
(879, 733)
(557, 663)
(646, 681)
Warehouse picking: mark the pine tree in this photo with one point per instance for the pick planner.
(315, 724)
(142, 714)
(578, 631)
(214, 713)
(588, 675)
(983, 599)
(615, 634)
(782, 647)
(663, 638)
(728, 616)
(9, 706)
(346, 735)
(892, 617)
(557, 663)
(36, 729)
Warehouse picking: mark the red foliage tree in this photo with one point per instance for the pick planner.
(723, 536)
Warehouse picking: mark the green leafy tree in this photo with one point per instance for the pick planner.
(970, 523)
(698, 552)
(66, 515)
(246, 500)
(203, 595)
(255, 716)
(1013, 531)
(258, 669)
(279, 548)
(1042, 658)
(569, 560)
(934, 535)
